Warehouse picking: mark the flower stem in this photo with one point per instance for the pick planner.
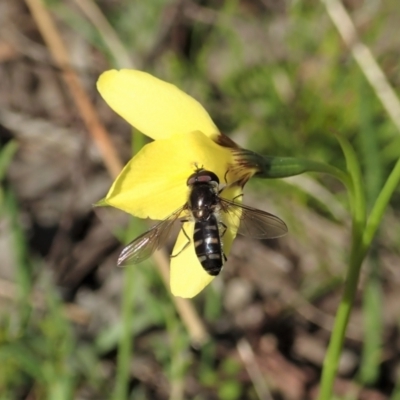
(271, 167)
(358, 211)
(361, 242)
(340, 326)
(362, 232)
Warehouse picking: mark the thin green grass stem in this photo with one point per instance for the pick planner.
(24, 267)
(379, 207)
(125, 345)
(377, 212)
(373, 328)
(126, 341)
(6, 155)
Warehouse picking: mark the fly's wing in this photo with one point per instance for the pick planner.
(146, 244)
(252, 222)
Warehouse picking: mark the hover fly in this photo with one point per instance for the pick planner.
(204, 207)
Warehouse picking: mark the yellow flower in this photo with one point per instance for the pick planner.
(153, 183)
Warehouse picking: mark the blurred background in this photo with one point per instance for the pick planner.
(277, 78)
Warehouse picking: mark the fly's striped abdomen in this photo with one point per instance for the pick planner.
(207, 244)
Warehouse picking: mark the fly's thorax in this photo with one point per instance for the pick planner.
(203, 200)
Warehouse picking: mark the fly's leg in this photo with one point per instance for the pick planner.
(236, 197)
(226, 182)
(186, 244)
(223, 229)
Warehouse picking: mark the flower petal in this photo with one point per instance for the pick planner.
(153, 183)
(154, 107)
(187, 276)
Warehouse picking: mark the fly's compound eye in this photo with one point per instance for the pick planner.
(202, 176)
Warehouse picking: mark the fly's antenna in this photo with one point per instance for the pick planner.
(197, 168)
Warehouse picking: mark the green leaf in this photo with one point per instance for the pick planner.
(357, 198)
(372, 295)
(373, 328)
(379, 207)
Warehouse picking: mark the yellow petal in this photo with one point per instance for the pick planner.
(154, 107)
(153, 183)
(187, 276)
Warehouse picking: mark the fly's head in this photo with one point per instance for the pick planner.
(202, 176)
(203, 197)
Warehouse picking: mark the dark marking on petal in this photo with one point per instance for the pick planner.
(226, 141)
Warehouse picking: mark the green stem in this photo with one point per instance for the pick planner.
(125, 344)
(126, 340)
(340, 326)
(6, 155)
(280, 167)
(356, 189)
(379, 207)
(271, 167)
(315, 166)
(358, 211)
(23, 266)
(360, 244)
